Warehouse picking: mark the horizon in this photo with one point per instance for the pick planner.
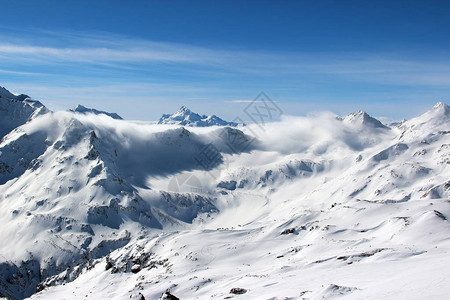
(246, 119)
(144, 59)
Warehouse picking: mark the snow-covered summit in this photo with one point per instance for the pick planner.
(361, 119)
(4, 93)
(440, 109)
(85, 110)
(185, 117)
(16, 110)
(435, 120)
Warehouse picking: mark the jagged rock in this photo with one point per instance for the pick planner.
(238, 291)
(228, 185)
(168, 296)
(288, 231)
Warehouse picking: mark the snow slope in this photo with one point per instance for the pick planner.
(74, 187)
(185, 117)
(314, 208)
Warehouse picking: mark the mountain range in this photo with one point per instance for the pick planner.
(308, 208)
(185, 117)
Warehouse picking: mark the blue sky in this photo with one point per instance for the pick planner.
(144, 58)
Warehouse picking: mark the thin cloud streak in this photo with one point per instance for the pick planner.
(110, 69)
(91, 55)
(110, 51)
(21, 73)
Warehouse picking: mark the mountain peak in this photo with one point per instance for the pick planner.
(439, 105)
(16, 110)
(439, 111)
(80, 108)
(184, 109)
(185, 117)
(360, 118)
(4, 93)
(440, 108)
(434, 120)
(85, 110)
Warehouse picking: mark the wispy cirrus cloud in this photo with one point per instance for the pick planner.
(106, 50)
(66, 67)
(21, 73)
(94, 54)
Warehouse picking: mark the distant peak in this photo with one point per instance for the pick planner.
(436, 117)
(79, 107)
(359, 113)
(184, 110)
(361, 118)
(84, 110)
(441, 106)
(440, 109)
(185, 117)
(4, 93)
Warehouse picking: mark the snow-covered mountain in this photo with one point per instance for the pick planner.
(313, 208)
(185, 117)
(16, 110)
(84, 110)
(360, 119)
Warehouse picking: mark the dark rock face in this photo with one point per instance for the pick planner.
(228, 185)
(288, 231)
(168, 296)
(17, 110)
(238, 291)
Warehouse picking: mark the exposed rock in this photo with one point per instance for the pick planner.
(238, 291)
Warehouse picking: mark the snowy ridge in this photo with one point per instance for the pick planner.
(92, 181)
(16, 110)
(361, 119)
(309, 208)
(84, 110)
(185, 117)
(4, 93)
(95, 179)
(437, 118)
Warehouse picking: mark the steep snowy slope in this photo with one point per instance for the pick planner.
(312, 208)
(71, 189)
(16, 110)
(185, 117)
(368, 222)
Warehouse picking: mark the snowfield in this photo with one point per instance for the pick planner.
(316, 207)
